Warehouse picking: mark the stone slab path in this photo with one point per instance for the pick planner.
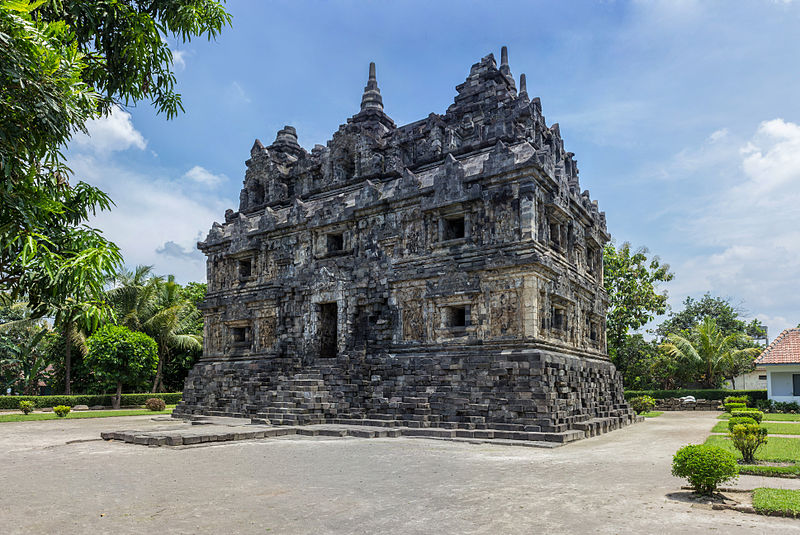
(62, 478)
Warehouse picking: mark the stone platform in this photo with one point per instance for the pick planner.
(208, 429)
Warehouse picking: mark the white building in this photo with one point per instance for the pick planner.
(781, 360)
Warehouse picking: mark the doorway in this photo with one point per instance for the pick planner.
(328, 328)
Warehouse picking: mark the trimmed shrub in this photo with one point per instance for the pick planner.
(713, 394)
(754, 414)
(729, 407)
(155, 404)
(61, 410)
(766, 405)
(747, 438)
(26, 406)
(737, 399)
(705, 466)
(740, 420)
(642, 404)
(12, 402)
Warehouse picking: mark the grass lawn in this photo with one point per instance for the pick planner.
(782, 501)
(773, 428)
(777, 417)
(770, 471)
(652, 414)
(81, 414)
(779, 449)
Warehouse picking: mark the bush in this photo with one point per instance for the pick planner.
(737, 399)
(754, 414)
(642, 404)
(747, 438)
(12, 402)
(766, 405)
(711, 393)
(26, 406)
(705, 466)
(731, 406)
(155, 404)
(61, 410)
(740, 420)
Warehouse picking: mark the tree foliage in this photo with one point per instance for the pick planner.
(631, 281)
(710, 349)
(162, 309)
(124, 44)
(123, 356)
(726, 315)
(23, 361)
(46, 252)
(65, 62)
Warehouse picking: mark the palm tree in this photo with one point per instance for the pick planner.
(171, 324)
(23, 357)
(158, 308)
(709, 348)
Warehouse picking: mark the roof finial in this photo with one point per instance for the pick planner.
(523, 87)
(372, 95)
(505, 70)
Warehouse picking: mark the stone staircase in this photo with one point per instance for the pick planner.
(302, 399)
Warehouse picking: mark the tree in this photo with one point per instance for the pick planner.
(668, 372)
(23, 359)
(726, 315)
(162, 309)
(124, 45)
(171, 325)
(63, 64)
(118, 354)
(707, 347)
(45, 250)
(631, 281)
(634, 358)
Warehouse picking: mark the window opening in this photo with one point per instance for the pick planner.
(456, 316)
(454, 228)
(245, 268)
(335, 242)
(240, 336)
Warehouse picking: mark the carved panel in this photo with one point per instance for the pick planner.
(504, 314)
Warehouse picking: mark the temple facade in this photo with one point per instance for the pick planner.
(444, 273)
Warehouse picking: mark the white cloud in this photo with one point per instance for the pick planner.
(179, 59)
(718, 135)
(113, 132)
(235, 93)
(748, 229)
(204, 176)
(157, 220)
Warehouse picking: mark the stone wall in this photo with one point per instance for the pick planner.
(675, 404)
(537, 390)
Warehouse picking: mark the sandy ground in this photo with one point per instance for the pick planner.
(616, 483)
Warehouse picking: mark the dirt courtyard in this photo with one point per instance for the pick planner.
(58, 477)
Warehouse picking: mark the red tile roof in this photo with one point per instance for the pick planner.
(785, 349)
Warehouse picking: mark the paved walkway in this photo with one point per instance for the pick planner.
(615, 483)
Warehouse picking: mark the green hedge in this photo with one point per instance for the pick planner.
(12, 402)
(719, 394)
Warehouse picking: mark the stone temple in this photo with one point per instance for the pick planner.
(442, 274)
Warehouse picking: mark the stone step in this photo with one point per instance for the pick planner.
(365, 421)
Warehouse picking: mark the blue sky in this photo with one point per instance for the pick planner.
(684, 117)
